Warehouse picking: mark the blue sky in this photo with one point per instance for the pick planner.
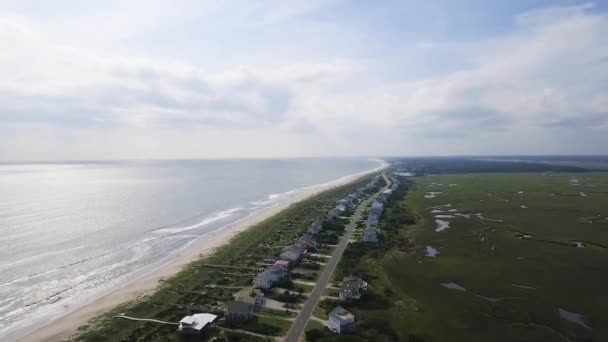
(181, 79)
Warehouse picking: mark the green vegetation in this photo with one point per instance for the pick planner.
(460, 165)
(518, 260)
(186, 292)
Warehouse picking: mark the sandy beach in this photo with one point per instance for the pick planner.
(66, 325)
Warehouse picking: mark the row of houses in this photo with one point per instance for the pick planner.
(370, 233)
(289, 257)
(248, 299)
(341, 320)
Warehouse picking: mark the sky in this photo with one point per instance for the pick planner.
(83, 80)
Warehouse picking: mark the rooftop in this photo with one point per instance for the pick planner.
(239, 307)
(342, 313)
(197, 321)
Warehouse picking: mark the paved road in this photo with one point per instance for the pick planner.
(299, 324)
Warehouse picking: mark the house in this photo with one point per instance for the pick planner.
(281, 263)
(377, 208)
(293, 253)
(251, 296)
(240, 311)
(341, 320)
(341, 208)
(332, 214)
(372, 220)
(269, 277)
(351, 288)
(306, 242)
(387, 193)
(193, 325)
(370, 235)
(315, 228)
(344, 202)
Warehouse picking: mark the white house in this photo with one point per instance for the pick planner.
(341, 320)
(194, 324)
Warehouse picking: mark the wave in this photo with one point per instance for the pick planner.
(216, 217)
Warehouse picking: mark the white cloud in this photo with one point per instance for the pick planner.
(60, 99)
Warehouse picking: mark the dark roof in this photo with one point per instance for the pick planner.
(341, 312)
(239, 308)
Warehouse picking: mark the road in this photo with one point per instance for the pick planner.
(300, 322)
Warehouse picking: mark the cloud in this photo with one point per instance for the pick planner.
(67, 85)
(545, 79)
(542, 72)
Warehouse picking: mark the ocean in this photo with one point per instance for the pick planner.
(70, 232)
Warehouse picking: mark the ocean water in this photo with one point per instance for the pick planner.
(70, 232)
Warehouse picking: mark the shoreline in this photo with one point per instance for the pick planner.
(66, 325)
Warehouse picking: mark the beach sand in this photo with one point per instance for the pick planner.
(67, 325)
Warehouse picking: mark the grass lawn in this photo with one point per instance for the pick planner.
(276, 321)
(320, 313)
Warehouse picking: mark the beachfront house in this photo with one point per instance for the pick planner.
(377, 208)
(292, 253)
(370, 235)
(333, 214)
(341, 320)
(345, 202)
(351, 288)
(315, 227)
(270, 277)
(194, 325)
(240, 311)
(251, 296)
(281, 263)
(307, 242)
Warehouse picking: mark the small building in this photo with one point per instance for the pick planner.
(194, 325)
(251, 296)
(370, 235)
(341, 208)
(269, 277)
(240, 311)
(351, 288)
(341, 320)
(292, 253)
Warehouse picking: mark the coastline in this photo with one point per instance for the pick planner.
(67, 325)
